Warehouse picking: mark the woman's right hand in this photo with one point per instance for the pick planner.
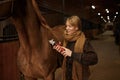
(58, 48)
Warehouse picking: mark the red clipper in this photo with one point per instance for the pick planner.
(53, 42)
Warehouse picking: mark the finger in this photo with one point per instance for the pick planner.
(57, 47)
(63, 52)
(65, 55)
(54, 47)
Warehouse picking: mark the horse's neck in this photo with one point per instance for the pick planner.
(26, 25)
(31, 36)
(29, 27)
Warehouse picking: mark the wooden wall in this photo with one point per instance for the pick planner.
(8, 60)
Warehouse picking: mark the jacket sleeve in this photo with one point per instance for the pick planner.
(88, 57)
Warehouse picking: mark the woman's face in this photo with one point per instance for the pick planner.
(70, 29)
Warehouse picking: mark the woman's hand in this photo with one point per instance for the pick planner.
(64, 51)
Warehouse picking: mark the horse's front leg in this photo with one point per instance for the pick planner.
(50, 77)
(29, 78)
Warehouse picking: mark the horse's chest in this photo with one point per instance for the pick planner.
(30, 65)
(23, 64)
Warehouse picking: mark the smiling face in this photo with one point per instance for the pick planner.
(72, 24)
(70, 29)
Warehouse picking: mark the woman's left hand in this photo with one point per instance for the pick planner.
(66, 52)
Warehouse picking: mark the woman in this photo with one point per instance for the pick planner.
(78, 53)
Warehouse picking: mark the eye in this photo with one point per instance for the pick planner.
(68, 25)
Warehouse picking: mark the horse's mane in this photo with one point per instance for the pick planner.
(59, 31)
(41, 18)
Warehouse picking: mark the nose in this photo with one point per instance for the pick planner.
(67, 27)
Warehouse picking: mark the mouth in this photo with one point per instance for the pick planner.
(67, 31)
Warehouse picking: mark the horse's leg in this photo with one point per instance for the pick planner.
(50, 77)
(29, 78)
(21, 76)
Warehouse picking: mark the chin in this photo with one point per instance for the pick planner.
(68, 33)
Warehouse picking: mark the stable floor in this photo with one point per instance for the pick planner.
(108, 67)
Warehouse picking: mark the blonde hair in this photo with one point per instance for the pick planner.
(75, 21)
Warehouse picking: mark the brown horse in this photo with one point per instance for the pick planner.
(36, 58)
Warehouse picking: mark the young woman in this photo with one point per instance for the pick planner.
(78, 52)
